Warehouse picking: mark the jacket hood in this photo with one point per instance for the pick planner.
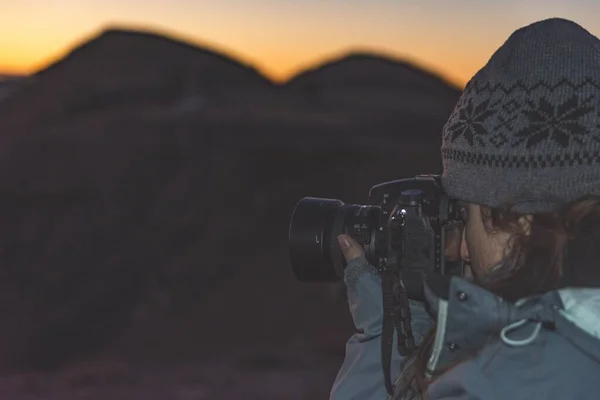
(470, 317)
(581, 306)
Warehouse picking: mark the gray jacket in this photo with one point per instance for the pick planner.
(548, 348)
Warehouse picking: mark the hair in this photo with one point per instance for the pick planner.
(558, 249)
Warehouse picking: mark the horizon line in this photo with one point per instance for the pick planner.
(202, 44)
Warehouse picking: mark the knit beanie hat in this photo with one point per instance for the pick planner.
(526, 131)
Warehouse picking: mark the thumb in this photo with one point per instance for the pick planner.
(351, 249)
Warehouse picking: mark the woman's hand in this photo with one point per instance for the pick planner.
(351, 249)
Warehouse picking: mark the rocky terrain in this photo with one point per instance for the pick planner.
(146, 187)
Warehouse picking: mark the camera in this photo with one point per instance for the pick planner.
(403, 230)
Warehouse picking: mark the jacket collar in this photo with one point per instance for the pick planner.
(469, 317)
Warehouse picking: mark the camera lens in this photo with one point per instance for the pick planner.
(315, 254)
(311, 229)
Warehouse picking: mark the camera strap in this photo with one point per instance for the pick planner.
(396, 314)
(387, 328)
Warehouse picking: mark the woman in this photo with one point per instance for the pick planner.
(521, 150)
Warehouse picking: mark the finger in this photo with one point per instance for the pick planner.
(351, 249)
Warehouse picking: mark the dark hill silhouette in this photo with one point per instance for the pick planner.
(157, 235)
(368, 69)
(11, 77)
(376, 87)
(136, 50)
(120, 67)
(9, 84)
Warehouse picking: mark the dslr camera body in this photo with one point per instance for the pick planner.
(404, 230)
(403, 233)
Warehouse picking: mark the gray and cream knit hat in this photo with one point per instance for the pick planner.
(526, 131)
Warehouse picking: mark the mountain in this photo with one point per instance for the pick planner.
(10, 77)
(122, 68)
(9, 84)
(366, 69)
(368, 83)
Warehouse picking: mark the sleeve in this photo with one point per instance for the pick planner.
(464, 382)
(361, 374)
(449, 390)
(456, 396)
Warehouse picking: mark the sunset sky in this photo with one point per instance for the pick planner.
(454, 38)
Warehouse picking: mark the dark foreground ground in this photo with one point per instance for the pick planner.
(288, 375)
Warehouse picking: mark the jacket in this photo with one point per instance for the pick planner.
(361, 374)
(548, 346)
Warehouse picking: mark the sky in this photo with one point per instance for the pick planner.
(279, 37)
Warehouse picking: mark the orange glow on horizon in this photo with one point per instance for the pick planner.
(275, 65)
(283, 37)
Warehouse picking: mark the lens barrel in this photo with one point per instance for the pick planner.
(310, 232)
(315, 254)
